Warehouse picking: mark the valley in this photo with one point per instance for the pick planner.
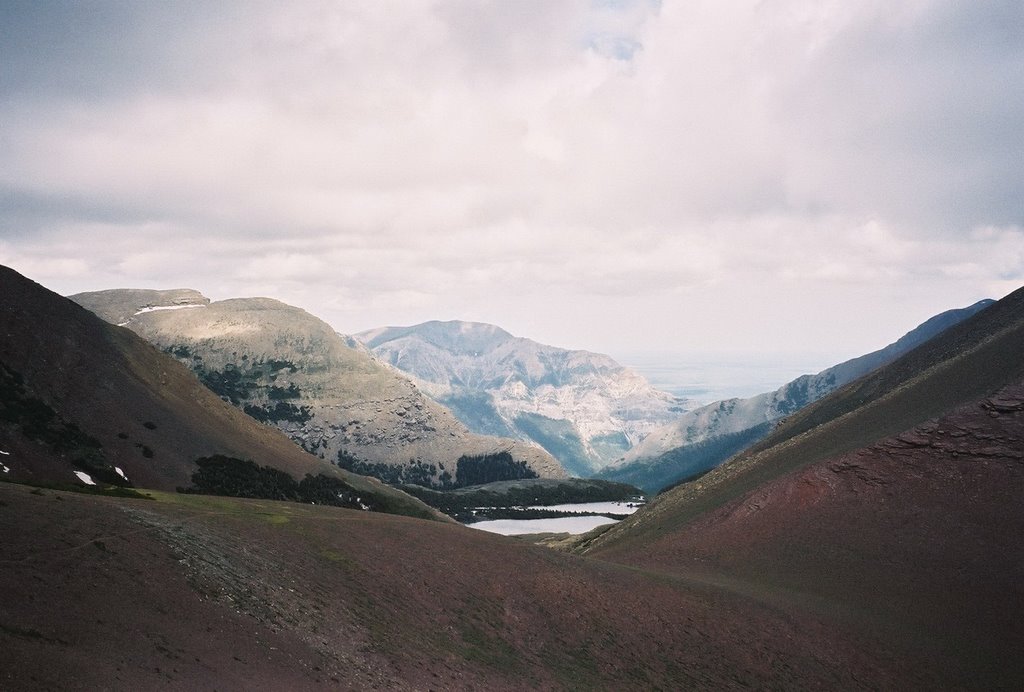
(511, 346)
(242, 593)
(169, 521)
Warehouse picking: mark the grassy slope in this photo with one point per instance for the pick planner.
(662, 470)
(915, 538)
(213, 592)
(892, 505)
(969, 361)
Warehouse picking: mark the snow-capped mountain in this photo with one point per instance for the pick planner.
(584, 408)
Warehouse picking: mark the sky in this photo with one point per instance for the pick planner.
(775, 178)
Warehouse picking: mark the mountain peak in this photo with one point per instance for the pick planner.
(584, 408)
(463, 336)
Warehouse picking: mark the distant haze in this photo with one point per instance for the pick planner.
(621, 176)
(709, 377)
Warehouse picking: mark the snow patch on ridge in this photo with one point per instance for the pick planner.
(155, 308)
(85, 478)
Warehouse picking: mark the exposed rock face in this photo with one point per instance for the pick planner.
(583, 407)
(287, 368)
(705, 437)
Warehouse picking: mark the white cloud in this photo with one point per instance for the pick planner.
(596, 174)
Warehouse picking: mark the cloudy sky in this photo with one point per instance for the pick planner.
(774, 177)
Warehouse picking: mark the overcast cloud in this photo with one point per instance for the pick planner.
(788, 176)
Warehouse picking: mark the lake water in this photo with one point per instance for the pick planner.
(574, 525)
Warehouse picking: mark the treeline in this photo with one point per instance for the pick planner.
(280, 411)
(488, 468)
(231, 477)
(459, 503)
(240, 384)
(417, 472)
(469, 470)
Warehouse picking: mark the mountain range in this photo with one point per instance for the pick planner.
(85, 403)
(869, 541)
(291, 370)
(704, 437)
(583, 408)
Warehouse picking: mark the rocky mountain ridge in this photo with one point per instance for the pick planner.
(584, 408)
(289, 369)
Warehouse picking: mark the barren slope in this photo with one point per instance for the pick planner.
(188, 592)
(893, 504)
(915, 538)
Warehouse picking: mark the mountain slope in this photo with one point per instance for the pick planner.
(289, 369)
(966, 363)
(194, 592)
(583, 407)
(83, 397)
(894, 502)
(704, 437)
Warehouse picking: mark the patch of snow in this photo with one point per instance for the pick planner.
(85, 478)
(154, 308)
(6, 454)
(120, 473)
(6, 470)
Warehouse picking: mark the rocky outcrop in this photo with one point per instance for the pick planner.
(289, 369)
(584, 408)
